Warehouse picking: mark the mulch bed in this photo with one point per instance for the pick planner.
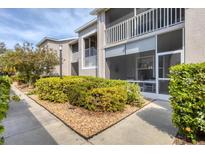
(84, 122)
(182, 140)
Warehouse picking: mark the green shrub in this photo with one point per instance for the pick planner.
(79, 91)
(109, 99)
(4, 99)
(133, 95)
(187, 90)
(51, 89)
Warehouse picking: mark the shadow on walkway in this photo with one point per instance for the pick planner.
(159, 116)
(22, 127)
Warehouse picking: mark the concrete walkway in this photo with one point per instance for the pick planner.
(150, 125)
(29, 123)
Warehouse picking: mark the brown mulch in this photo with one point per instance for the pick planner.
(25, 88)
(86, 123)
(182, 140)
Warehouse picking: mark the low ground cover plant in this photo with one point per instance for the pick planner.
(187, 90)
(4, 100)
(92, 93)
(15, 98)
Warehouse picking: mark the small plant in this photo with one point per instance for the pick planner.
(15, 98)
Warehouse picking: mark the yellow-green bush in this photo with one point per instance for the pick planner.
(86, 91)
(109, 99)
(187, 90)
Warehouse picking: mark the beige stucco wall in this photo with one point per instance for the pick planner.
(82, 34)
(194, 35)
(66, 54)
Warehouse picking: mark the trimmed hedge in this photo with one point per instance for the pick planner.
(4, 99)
(92, 93)
(107, 99)
(187, 90)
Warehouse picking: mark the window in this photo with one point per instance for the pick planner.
(74, 69)
(163, 87)
(170, 41)
(90, 53)
(166, 61)
(138, 68)
(74, 48)
(146, 66)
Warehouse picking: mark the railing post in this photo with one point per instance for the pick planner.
(128, 29)
(160, 17)
(135, 26)
(180, 14)
(164, 16)
(171, 17)
(175, 15)
(153, 19)
(156, 18)
(167, 17)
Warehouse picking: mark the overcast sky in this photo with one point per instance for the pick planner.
(18, 25)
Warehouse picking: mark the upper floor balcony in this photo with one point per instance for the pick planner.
(142, 23)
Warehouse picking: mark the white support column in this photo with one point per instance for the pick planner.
(101, 45)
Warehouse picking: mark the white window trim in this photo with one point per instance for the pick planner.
(83, 50)
(89, 68)
(169, 52)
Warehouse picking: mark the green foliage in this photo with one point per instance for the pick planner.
(29, 65)
(15, 98)
(187, 90)
(133, 95)
(4, 99)
(8, 70)
(92, 93)
(109, 99)
(2, 47)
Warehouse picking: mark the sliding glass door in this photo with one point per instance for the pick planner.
(169, 53)
(165, 61)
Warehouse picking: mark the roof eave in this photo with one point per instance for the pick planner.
(97, 10)
(54, 40)
(86, 25)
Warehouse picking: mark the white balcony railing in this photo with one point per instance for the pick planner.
(146, 22)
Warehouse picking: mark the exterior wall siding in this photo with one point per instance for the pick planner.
(194, 35)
